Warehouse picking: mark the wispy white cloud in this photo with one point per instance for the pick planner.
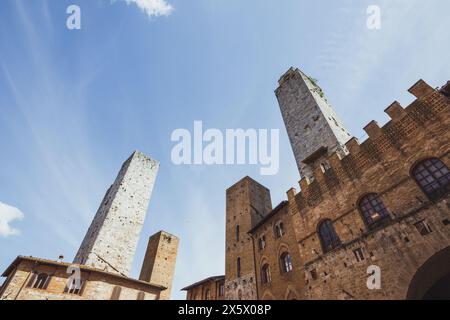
(153, 7)
(62, 162)
(7, 215)
(388, 58)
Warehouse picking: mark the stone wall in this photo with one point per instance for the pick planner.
(310, 121)
(247, 204)
(200, 292)
(111, 240)
(282, 285)
(382, 165)
(159, 261)
(98, 285)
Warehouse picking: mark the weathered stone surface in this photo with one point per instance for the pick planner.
(247, 204)
(212, 288)
(97, 284)
(310, 121)
(410, 261)
(111, 240)
(108, 249)
(159, 261)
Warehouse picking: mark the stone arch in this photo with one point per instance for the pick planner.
(268, 295)
(432, 278)
(282, 247)
(412, 164)
(368, 221)
(262, 260)
(439, 185)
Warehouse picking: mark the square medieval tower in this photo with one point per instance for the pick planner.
(315, 131)
(111, 240)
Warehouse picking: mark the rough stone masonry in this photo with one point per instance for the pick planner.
(314, 128)
(111, 240)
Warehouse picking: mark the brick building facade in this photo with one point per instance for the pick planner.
(212, 288)
(371, 219)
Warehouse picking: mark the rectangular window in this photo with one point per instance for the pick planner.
(313, 273)
(423, 227)
(262, 242)
(359, 254)
(39, 280)
(74, 288)
(221, 290)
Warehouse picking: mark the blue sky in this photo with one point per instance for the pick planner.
(75, 104)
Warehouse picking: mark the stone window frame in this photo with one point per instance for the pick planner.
(238, 267)
(432, 176)
(208, 294)
(68, 289)
(423, 227)
(329, 239)
(369, 205)
(266, 277)
(262, 243)
(221, 290)
(278, 229)
(359, 254)
(286, 265)
(39, 280)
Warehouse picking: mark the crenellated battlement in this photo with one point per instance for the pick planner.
(430, 105)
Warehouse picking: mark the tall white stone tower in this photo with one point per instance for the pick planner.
(111, 240)
(314, 129)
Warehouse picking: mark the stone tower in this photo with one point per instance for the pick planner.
(246, 204)
(111, 240)
(159, 261)
(314, 129)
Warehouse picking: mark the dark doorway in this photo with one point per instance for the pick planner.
(440, 290)
(432, 279)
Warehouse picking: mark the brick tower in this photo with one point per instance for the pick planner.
(159, 261)
(247, 203)
(111, 240)
(314, 129)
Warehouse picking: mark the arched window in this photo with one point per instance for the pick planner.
(285, 262)
(373, 210)
(279, 229)
(237, 233)
(116, 293)
(433, 176)
(39, 281)
(208, 294)
(265, 274)
(238, 267)
(328, 237)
